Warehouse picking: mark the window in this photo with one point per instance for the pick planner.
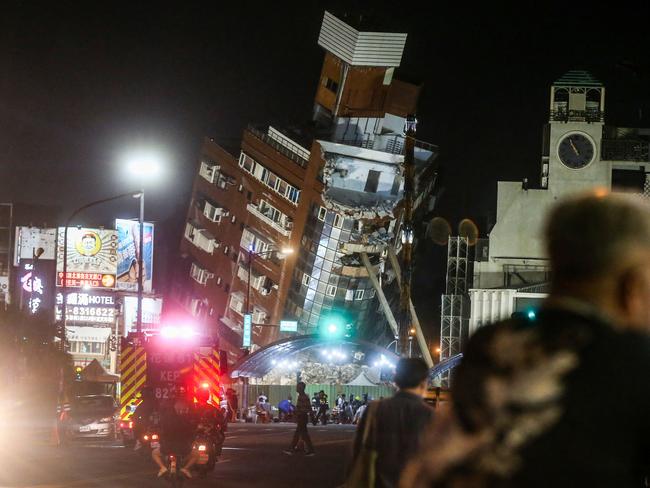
(293, 194)
(241, 188)
(372, 183)
(246, 162)
(226, 249)
(372, 293)
(322, 212)
(331, 85)
(249, 196)
(306, 279)
(358, 294)
(233, 219)
(241, 226)
(331, 290)
(269, 178)
(218, 280)
(226, 288)
(349, 295)
(338, 221)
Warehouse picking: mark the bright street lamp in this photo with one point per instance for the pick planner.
(143, 165)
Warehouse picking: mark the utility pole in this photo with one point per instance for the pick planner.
(407, 236)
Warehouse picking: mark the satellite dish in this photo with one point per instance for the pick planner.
(469, 230)
(439, 231)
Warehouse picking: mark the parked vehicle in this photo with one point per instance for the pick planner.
(91, 416)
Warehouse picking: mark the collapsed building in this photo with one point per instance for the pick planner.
(330, 191)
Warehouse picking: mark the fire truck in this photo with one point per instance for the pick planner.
(171, 363)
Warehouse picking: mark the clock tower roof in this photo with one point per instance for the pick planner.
(577, 78)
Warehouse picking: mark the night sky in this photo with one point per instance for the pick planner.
(80, 86)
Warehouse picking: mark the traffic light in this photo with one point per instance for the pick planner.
(529, 315)
(77, 373)
(336, 325)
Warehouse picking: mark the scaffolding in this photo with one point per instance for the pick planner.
(455, 302)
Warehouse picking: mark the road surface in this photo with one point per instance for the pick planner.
(252, 457)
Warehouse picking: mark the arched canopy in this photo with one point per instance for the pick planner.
(263, 360)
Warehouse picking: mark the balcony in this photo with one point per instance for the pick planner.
(279, 143)
(201, 238)
(282, 228)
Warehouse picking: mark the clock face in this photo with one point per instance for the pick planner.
(576, 151)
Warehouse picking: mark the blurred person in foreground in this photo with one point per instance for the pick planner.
(562, 400)
(397, 423)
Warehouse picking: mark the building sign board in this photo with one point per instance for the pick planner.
(288, 326)
(35, 285)
(92, 308)
(29, 239)
(248, 326)
(151, 311)
(92, 257)
(128, 248)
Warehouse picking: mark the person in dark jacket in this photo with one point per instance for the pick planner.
(560, 398)
(397, 423)
(303, 411)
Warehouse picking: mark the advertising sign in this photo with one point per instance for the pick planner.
(128, 232)
(35, 285)
(92, 257)
(288, 326)
(30, 238)
(248, 325)
(151, 311)
(90, 308)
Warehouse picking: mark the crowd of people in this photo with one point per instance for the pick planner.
(559, 399)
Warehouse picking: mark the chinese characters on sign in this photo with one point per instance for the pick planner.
(288, 326)
(96, 308)
(41, 297)
(91, 256)
(248, 326)
(83, 280)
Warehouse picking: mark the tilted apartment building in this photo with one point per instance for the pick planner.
(329, 190)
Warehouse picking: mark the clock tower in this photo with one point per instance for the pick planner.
(572, 140)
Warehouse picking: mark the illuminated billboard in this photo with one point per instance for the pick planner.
(151, 311)
(128, 232)
(92, 258)
(90, 308)
(35, 285)
(28, 239)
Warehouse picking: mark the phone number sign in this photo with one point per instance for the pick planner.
(87, 307)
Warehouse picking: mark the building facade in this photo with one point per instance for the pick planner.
(329, 191)
(509, 272)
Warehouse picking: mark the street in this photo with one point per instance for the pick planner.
(252, 457)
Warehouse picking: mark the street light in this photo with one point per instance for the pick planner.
(142, 165)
